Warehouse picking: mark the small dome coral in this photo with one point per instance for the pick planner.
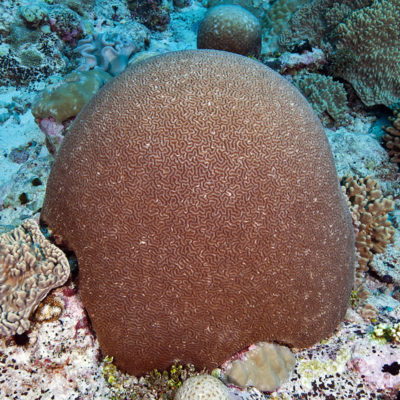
(230, 28)
(199, 194)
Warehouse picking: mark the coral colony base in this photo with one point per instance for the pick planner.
(55, 55)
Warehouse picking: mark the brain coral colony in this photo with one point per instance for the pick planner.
(207, 210)
(179, 222)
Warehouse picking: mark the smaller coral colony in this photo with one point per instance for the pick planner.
(197, 192)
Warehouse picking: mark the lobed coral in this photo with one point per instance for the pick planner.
(230, 28)
(185, 178)
(369, 209)
(392, 138)
(30, 267)
(110, 52)
(348, 30)
(265, 365)
(327, 97)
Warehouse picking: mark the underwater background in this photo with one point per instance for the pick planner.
(55, 55)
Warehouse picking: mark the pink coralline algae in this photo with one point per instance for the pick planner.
(54, 132)
(62, 354)
(68, 34)
(295, 61)
(376, 363)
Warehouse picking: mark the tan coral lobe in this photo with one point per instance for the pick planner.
(199, 194)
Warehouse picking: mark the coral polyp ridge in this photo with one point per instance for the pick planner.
(56, 55)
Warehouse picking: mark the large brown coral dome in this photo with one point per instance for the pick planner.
(200, 196)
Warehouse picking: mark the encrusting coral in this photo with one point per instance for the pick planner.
(30, 266)
(392, 138)
(265, 365)
(369, 210)
(230, 28)
(55, 105)
(327, 97)
(66, 99)
(197, 208)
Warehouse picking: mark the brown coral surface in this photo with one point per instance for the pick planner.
(200, 196)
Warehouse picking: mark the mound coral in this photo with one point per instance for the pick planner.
(258, 8)
(203, 387)
(199, 194)
(30, 266)
(230, 28)
(370, 211)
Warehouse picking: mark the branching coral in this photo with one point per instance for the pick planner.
(369, 209)
(386, 332)
(392, 138)
(30, 266)
(327, 97)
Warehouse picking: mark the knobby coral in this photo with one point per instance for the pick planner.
(369, 209)
(199, 208)
(392, 138)
(327, 97)
(348, 29)
(30, 266)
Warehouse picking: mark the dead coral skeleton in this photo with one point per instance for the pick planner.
(30, 266)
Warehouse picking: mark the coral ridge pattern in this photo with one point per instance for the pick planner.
(199, 194)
